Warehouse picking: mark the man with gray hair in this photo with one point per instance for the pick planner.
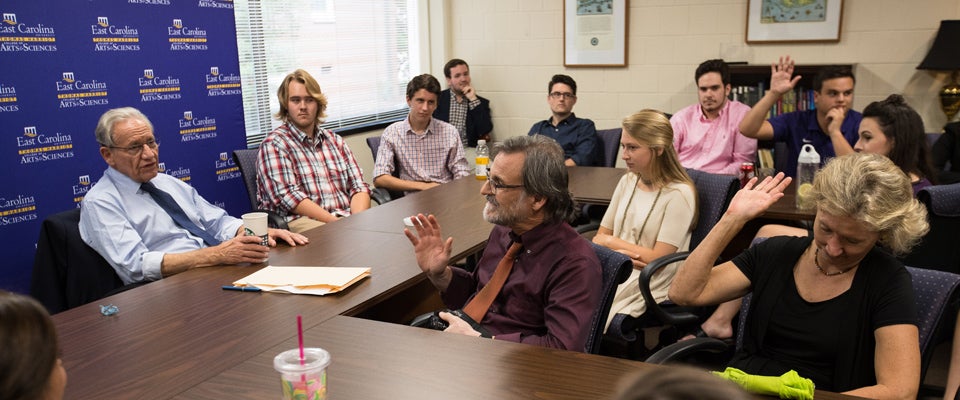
(545, 277)
(149, 225)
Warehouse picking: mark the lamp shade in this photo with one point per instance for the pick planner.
(944, 55)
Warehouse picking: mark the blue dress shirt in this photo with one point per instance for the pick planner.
(577, 136)
(129, 229)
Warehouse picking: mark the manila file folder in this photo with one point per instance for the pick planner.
(304, 280)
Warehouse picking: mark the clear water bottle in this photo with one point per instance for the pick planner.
(807, 166)
(483, 160)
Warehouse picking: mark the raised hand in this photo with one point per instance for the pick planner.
(433, 253)
(780, 76)
(756, 197)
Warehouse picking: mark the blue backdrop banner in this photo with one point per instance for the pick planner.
(65, 63)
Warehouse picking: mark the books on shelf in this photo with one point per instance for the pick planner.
(799, 99)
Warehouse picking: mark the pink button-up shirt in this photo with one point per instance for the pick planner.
(714, 146)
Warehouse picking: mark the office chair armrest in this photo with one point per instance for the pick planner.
(623, 327)
(685, 348)
(587, 227)
(380, 195)
(669, 318)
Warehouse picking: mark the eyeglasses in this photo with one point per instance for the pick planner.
(137, 149)
(497, 186)
(568, 95)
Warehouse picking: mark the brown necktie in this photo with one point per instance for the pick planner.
(478, 306)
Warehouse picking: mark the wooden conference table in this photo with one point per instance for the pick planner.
(183, 331)
(174, 333)
(595, 185)
(374, 360)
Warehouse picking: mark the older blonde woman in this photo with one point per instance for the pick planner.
(652, 210)
(837, 307)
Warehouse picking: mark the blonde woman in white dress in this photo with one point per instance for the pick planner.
(653, 209)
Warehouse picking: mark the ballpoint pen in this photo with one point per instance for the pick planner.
(241, 288)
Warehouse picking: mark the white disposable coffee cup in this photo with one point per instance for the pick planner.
(255, 224)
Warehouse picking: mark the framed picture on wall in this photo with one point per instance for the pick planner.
(595, 33)
(809, 21)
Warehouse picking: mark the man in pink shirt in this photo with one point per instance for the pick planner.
(707, 134)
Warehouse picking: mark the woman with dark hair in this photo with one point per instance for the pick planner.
(30, 367)
(894, 129)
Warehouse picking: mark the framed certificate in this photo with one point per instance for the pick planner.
(595, 33)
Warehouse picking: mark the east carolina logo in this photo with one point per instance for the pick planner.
(84, 180)
(10, 18)
(102, 21)
(223, 156)
(68, 77)
(188, 115)
(177, 23)
(214, 71)
(162, 167)
(148, 73)
(30, 131)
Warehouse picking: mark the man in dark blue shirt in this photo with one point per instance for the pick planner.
(577, 136)
(832, 128)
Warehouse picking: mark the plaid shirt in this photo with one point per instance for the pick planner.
(436, 156)
(292, 167)
(458, 114)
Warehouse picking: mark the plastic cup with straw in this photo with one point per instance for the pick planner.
(303, 371)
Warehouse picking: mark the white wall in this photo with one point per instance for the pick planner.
(514, 46)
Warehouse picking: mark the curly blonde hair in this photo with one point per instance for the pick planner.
(873, 190)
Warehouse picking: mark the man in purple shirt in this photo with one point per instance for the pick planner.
(554, 288)
(707, 134)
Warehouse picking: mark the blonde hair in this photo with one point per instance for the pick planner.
(652, 128)
(873, 190)
(313, 89)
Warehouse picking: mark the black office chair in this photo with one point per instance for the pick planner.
(938, 249)
(66, 272)
(591, 214)
(610, 146)
(625, 335)
(616, 269)
(936, 296)
(246, 160)
(381, 195)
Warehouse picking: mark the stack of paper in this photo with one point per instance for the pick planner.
(304, 280)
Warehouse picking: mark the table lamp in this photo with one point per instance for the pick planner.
(944, 55)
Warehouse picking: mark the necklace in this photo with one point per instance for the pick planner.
(623, 219)
(816, 261)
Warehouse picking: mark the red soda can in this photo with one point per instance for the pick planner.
(746, 173)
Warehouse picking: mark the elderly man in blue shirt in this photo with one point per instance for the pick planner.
(149, 225)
